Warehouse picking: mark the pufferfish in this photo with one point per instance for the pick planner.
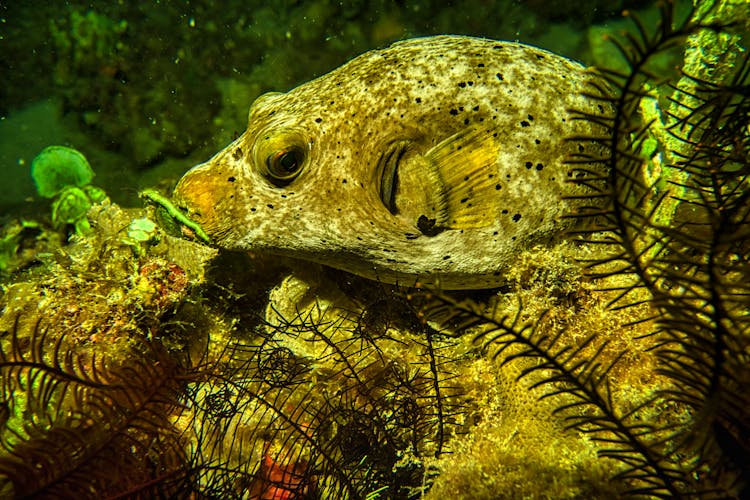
(437, 159)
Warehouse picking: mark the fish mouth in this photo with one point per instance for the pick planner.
(198, 197)
(176, 214)
(388, 167)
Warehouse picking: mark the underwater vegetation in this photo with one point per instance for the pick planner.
(142, 409)
(690, 266)
(131, 367)
(64, 174)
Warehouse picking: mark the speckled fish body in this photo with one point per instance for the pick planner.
(436, 159)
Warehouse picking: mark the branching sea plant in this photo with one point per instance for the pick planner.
(77, 424)
(672, 223)
(687, 245)
(327, 405)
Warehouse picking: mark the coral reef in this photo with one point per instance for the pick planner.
(113, 348)
(136, 363)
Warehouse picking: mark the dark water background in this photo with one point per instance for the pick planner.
(147, 89)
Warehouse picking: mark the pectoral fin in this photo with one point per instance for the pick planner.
(465, 166)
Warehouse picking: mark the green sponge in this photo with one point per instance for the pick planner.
(58, 167)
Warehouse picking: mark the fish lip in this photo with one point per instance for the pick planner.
(184, 208)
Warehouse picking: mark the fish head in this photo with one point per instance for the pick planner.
(436, 159)
(290, 185)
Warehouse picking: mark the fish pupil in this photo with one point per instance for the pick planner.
(288, 161)
(284, 165)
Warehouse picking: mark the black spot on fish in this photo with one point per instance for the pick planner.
(343, 181)
(237, 154)
(531, 118)
(539, 166)
(427, 226)
(537, 141)
(480, 65)
(497, 187)
(466, 121)
(418, 100)
(505, 211)
(269, 205)
(453, 111)
(470, 83)
(475, 108)
(318, 120)
(524, 123)
(462, 84)
(411, 236)
(446, 257)
(253, 209)
(516, 217)
(231, 179)
(529, 164)
(499, 76)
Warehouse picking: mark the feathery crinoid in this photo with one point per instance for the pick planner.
(682, 231)
(77, 424)
(671, 226)
(108, 393)
(328, 404)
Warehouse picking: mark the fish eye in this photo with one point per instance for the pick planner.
(283, 166)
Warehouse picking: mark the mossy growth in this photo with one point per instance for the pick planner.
(64, 174)
(59, 167)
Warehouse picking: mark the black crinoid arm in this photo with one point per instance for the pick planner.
(683, 235)
(671, 227)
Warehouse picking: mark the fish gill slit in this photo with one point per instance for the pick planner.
(389, 177)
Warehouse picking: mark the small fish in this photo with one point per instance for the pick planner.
(436, 159)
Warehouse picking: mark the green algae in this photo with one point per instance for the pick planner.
(58, 167)
(175, 213)
(64, 174)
